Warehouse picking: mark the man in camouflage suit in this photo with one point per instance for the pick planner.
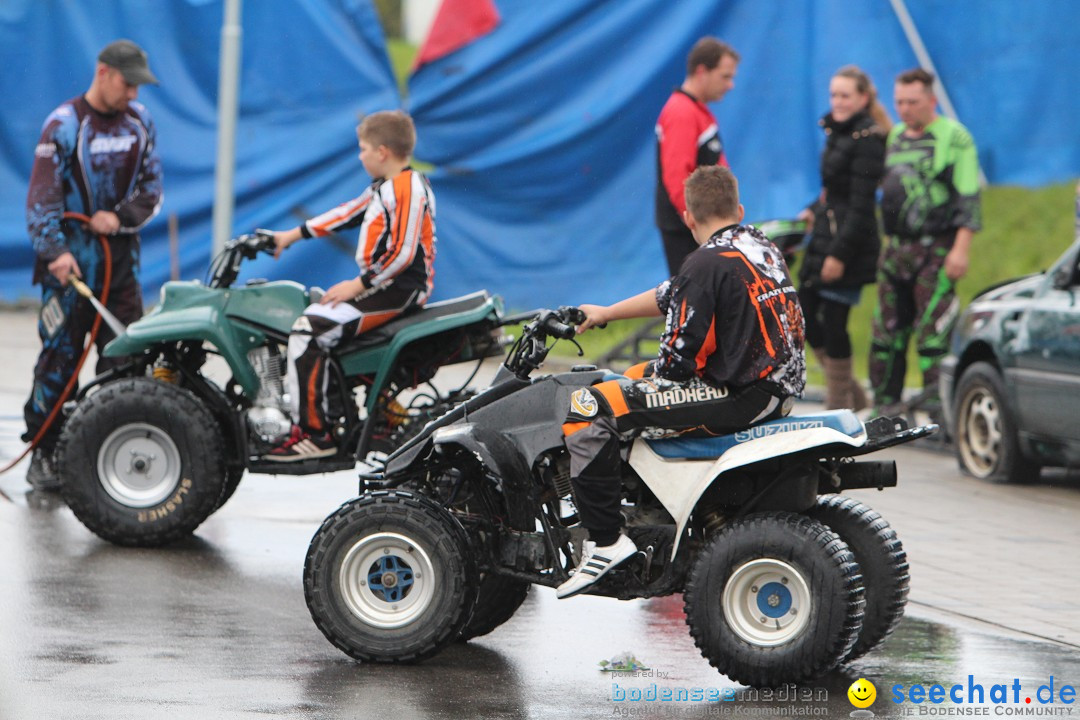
(930, 207)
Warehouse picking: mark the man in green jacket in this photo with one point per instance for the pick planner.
(930, 208)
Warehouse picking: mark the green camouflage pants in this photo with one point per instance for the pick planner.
(914, 297)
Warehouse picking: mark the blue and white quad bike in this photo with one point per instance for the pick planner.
(783, 579)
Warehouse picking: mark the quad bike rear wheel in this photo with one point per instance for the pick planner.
(390, 578)
(774, 598)
(881, 559)
(233, 476)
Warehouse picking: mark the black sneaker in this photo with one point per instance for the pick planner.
(42, 473)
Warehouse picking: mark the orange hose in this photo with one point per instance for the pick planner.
(107, 251)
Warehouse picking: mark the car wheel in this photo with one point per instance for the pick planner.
(986, 428)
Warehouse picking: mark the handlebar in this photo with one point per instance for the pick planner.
(226, 266)
(251, 244)
(529, 352)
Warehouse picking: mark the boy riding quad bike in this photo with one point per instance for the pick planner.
(497, 494)
(154, 447)
(783, 579)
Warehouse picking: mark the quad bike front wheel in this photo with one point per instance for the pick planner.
(498, 598)
(389, 577)
(141, 462)
(882, 562)
(774, 598)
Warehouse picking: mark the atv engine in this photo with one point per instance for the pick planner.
(268, 419)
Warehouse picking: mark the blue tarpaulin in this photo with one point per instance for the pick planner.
(541, 131)
(309, 68)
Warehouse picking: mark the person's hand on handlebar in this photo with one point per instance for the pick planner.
(283, 239)
(642, 305)
(595, 315)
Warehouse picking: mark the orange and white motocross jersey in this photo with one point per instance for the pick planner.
(396, 218)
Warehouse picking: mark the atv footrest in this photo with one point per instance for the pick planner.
(302, 467)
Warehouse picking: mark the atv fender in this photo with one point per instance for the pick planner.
(502, 459)
(190, 311)
(679, 483)
(200, 323)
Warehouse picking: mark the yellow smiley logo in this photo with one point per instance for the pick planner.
(862, 693)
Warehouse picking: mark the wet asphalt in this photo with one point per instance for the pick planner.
(216, 626)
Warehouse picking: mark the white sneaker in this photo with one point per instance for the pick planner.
(595, 563)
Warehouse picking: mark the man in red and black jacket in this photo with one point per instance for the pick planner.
(687, 137)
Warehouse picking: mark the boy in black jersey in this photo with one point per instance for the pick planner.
(731, 356)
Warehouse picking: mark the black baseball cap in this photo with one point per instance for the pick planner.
(130, 60)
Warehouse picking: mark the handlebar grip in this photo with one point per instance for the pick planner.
(266, 239)
(559, 329)
(575, 316)
(571, 315)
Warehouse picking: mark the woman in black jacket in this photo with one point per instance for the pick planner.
(843, 251)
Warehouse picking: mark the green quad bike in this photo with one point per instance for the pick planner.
(151, 449)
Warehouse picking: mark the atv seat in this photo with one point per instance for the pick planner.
(444, 308)
(707, 448)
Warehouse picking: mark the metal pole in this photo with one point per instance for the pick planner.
(174, 247)
(915, 40)
(228, 95)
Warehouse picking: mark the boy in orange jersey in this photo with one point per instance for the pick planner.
(396, 255)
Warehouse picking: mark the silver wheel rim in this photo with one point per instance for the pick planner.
(767, 602)
(139, 465)
(980, 432)
(387, 580)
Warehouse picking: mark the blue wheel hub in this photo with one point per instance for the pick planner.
(774, 600)
(391, 577)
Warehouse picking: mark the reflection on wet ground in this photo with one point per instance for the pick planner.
(216, 627)
(545, 664)
(203, 629)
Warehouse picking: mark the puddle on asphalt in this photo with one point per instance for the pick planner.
(219, 629)
(545, 664)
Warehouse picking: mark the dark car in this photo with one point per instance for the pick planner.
(1011, 383)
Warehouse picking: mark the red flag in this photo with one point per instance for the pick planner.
(457, 23)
